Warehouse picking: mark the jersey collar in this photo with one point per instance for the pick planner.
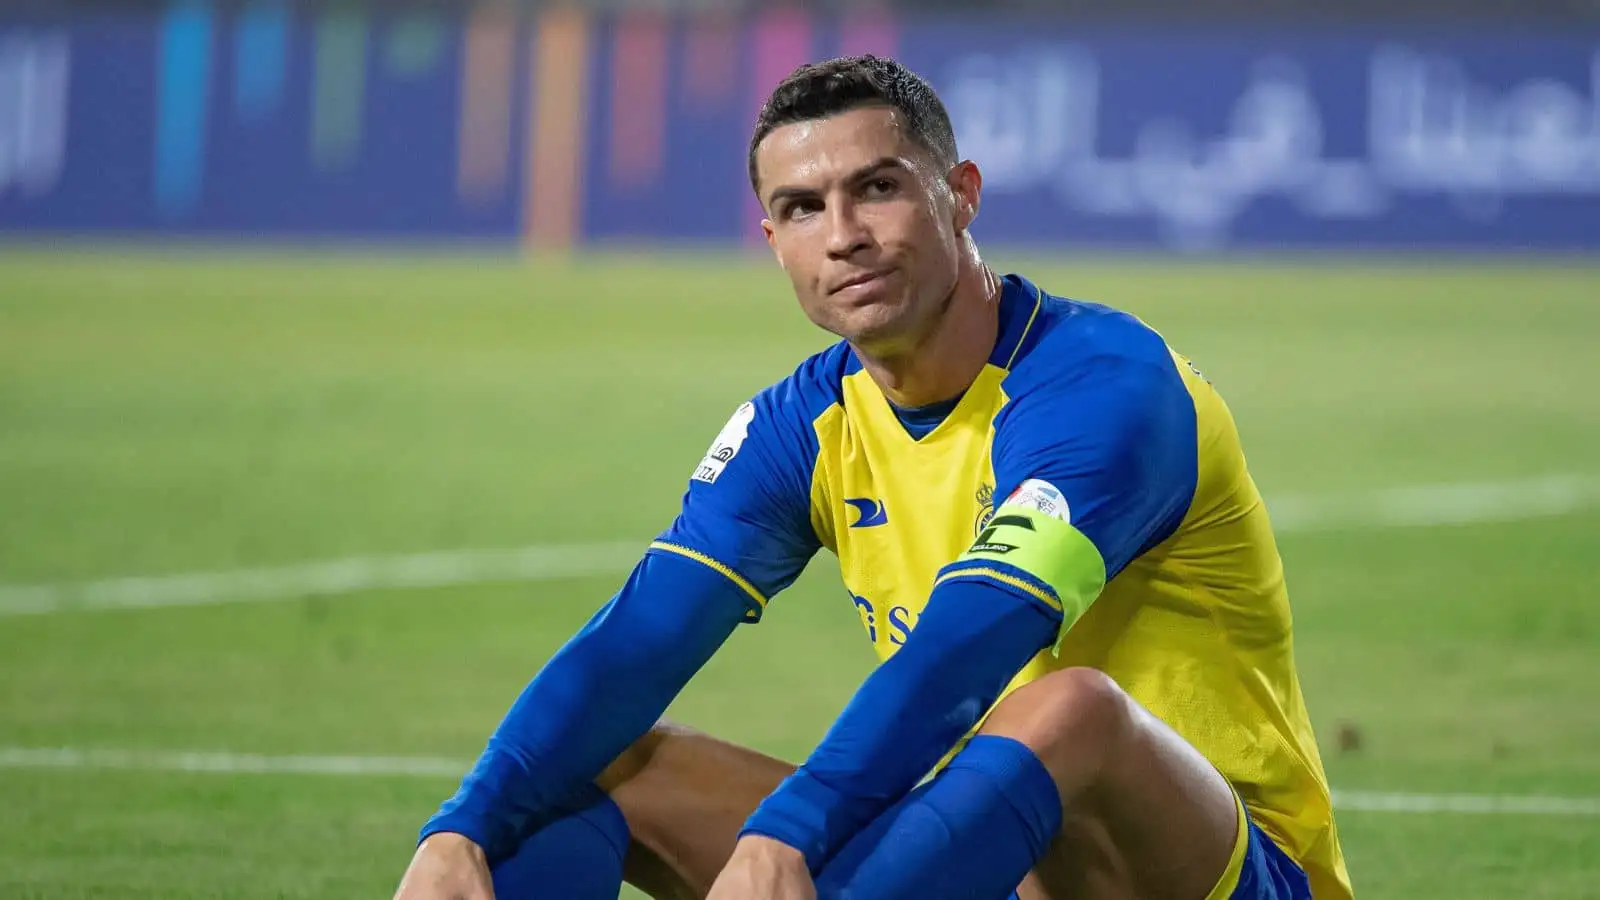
(1020, 303)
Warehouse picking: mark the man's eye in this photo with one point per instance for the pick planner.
(880, 187)
(802, 208)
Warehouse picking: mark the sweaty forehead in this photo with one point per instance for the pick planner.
(817, 152)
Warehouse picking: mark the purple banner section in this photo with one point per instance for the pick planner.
(278, 120)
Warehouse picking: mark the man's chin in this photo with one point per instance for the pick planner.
(879, 332)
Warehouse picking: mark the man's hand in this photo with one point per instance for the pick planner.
(447, 867)
(764, 869)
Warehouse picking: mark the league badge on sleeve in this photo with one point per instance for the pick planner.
(1041, 496)
(727, 444)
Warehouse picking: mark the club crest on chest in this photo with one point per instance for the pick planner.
(985, 507)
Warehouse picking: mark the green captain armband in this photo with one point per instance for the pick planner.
(1035, 549)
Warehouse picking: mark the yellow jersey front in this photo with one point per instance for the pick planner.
(1194, 618)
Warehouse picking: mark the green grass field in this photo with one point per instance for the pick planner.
(185, 413)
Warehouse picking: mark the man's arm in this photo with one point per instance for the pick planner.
(1095, 468)
(970, 641)
(601, 692)
(743, 534)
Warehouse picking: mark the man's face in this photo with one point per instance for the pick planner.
(866, 223)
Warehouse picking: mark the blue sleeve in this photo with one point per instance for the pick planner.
(743, 534)
(968, 644)
(747, 511)
(1114, 435)
(599, 693)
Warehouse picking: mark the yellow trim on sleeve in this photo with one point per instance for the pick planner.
(1046, 597)
(1241, 847)
(707, 561)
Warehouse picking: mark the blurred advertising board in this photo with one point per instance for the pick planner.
(562, 127)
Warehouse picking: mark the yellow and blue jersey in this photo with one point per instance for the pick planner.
(1082, 414)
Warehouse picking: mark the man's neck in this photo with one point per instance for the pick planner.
(948, 360)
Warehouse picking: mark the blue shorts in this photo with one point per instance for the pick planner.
(1264, 872)
(1268, 873)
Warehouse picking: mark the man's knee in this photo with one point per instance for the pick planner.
(1073, 720)
(633, 760)
(1138, 800)
(685, 795)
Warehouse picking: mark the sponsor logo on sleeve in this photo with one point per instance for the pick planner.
(726, 446)
(1041, 496)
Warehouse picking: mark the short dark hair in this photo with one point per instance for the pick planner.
(820, 90)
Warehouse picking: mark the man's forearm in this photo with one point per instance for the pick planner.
(968, 644)
(602, 691)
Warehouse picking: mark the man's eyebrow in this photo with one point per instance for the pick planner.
(787, 192)
(872, 168)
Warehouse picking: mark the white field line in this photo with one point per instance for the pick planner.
(1416, 506)
(437, 767)
(1420, 506)
(228, 763)
(325, 579)
(1479, 804)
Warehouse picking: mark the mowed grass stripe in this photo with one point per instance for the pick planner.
(210, 762)
(1402, 507)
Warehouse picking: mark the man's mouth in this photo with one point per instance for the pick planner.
(865, 279)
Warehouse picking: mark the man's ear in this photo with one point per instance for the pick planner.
(772, 241)
(966, 183)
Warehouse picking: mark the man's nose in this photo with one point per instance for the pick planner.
(847, 234)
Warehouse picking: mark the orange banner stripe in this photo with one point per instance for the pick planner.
(555, 147)
(484, 142)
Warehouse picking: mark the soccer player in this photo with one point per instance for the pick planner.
(1043, 514)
